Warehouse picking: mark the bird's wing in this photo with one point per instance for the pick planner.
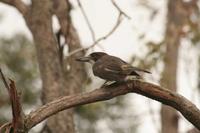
(113, 71)
(116, 65)
(128, 67)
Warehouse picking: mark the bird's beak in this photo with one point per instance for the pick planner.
(83, 59)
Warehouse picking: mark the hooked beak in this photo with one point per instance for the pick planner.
(83, 59)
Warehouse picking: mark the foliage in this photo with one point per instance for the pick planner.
(112, 113)
(18, 62)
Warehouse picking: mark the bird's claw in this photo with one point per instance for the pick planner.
(108, 83)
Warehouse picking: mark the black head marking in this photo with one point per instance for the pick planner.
(97, 55)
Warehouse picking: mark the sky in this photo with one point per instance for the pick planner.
(124, 43)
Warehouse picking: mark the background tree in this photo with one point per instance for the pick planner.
(180, 25)
(179, 15)
(38, 17)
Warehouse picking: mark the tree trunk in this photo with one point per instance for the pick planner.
(175, 20)
(39, 20)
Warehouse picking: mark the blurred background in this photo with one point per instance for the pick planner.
(159, 35)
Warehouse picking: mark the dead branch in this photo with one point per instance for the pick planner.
(18, 4)
(18, 119)
(165, 96)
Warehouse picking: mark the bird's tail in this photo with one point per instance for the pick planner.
(133, 70)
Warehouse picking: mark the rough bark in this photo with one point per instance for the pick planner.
(75, 75)
(74, 72)
(39, 21)
(176, 18)
(52, 73)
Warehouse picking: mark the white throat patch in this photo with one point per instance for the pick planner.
(91, 62)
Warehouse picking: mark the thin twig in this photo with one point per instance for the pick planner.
(87, 21)
(5, 127)
(119, 9)
(121, 13)
(4, 80)
(119, 20)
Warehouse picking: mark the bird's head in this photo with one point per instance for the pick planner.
(93, 57)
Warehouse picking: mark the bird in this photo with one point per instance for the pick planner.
(111, 68)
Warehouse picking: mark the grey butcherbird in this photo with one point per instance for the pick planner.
(111, 68)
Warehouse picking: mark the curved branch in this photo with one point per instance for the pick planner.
(165, 96)
(21, 6)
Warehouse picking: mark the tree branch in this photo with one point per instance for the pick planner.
(18, 4)
(17, 112)
(180, 103)
(5, 128)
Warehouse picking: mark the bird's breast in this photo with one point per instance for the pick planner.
(97, 69)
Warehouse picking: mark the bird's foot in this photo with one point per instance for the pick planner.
(108, 83)
(130, 78)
